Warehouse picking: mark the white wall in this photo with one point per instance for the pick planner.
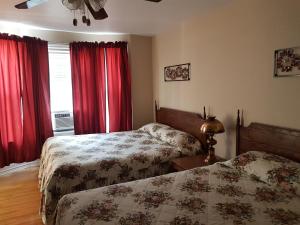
(231, 51)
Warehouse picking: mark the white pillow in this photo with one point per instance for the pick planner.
(271, 169)
(186, 142)
(154, 128)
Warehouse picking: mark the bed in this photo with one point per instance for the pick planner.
(259, 186)
(75, 163)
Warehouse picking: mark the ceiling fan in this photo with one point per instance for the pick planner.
(95, 7)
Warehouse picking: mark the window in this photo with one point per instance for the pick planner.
(61, 88)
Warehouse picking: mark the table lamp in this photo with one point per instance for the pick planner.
(210, 127)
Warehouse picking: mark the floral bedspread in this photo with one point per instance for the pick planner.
(75, 163)
(219, 194)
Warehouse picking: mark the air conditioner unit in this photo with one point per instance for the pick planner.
(62, 121)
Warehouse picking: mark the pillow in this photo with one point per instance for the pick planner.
(271, 169)
(154, 129)
(188, 143)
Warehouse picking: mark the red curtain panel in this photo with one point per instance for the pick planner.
(25, 119)
(119, 87)
(11, 132)
(88, 84)
(37, 126)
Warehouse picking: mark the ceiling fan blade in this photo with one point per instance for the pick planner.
(29, 4)
(98, 15)
(153, 0)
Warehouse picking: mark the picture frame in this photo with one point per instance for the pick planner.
(180, 72)
(287, 62)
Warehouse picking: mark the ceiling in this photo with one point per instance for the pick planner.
(125, 16)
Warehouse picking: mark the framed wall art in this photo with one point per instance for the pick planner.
(287, 62)
(178, 72)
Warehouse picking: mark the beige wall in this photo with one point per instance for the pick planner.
(231, 53)
(141, 68)
(140, 49)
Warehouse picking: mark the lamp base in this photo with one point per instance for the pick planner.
(211, 158)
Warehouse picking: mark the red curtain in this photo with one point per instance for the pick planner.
(11, 132)
(88, 82)
(25, 119)
(119, 87)
(89, 88)
(37, 126)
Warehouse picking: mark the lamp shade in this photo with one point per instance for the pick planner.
(212, 125)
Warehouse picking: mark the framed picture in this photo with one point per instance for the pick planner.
(287, 62)
(178, 72)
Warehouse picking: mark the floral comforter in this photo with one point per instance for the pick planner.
(75, 163)
(223, 193)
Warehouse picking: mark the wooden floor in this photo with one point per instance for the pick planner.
(20, 198)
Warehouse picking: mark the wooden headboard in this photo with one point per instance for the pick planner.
(272, 139)
(184, 121)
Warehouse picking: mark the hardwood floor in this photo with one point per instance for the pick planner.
(20, 198)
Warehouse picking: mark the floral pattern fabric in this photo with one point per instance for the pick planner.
(172, 136)
(154, 129)
(271, 169)
(75, 163)
(217, 194)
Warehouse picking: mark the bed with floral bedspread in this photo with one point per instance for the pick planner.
(75, 163)
(255, 188)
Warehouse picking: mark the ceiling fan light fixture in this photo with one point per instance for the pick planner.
(75, 22)
(72, 4)
(88, 22)
(95, 7)
(84, 19)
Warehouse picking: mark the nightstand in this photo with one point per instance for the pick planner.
(191, 162)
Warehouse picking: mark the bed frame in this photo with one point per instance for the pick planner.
(184, 121)
(272, 139)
